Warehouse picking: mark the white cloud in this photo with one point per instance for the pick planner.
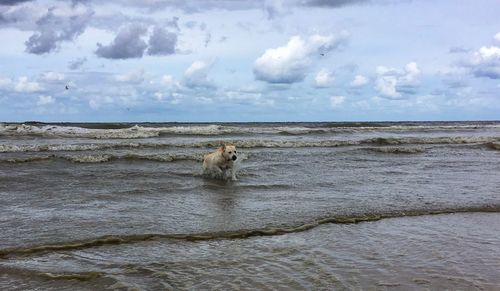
(52, 77)
(289, 64)
(159, 96)
(5, 83)
(170, 82)
(197, 75)
(45, 100)
(359, 81)
(336, 101)
(390, 82)
(324, 79)
(486, 62)
(96, 102)
(497, 37)
(25, 86)
(135, 77)
(386, 86)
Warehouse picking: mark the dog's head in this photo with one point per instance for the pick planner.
(228, 152)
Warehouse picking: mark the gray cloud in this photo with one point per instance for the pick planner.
(162, 42)
(208, 39)
(127, 44)
(484, 62)
(12, 2)
(53, 29)
(459, 50)
(78, 63)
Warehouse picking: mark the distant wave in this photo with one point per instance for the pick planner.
(138, 131)
(494, 145)
(102, 158)
(80, 276)
(493, 142)
(236, 234)
(397, 150)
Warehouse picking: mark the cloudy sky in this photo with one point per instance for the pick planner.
(249, 60)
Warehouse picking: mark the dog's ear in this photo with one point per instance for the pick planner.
(222, 146)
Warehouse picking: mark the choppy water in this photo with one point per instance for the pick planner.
(316, 206)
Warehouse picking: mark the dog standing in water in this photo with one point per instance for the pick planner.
(221, 161)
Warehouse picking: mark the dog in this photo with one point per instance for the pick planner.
(221, 161)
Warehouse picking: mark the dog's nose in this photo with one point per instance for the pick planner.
(234, 158)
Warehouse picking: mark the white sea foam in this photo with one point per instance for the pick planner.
(138, 131)
(254, 143)
(135, 131)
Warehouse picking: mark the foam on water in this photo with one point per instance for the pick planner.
(492, 142)
(141, 131)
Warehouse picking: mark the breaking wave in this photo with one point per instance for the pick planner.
(236, 234)
(494, 146)
(133, 132)
(397, 150)
(102, 158)
(493, 142)
(143, 131)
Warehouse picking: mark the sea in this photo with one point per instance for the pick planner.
(316, 206)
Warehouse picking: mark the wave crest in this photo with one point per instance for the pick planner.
(236, 234)
(493, 142)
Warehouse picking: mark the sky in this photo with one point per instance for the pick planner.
(249, 60)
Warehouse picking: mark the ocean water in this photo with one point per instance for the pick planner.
(317, 206)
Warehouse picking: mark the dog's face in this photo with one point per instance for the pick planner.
(228, 152)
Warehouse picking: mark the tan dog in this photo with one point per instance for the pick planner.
(221, 161)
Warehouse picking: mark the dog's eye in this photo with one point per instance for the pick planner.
(230, 152)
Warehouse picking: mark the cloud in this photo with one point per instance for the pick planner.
(13, 2)
(170, 82)
(135, 77)
(274, 8)
(45, 100)
(324, 79)
(52, 77)
(127, 44)
(208, 38)
(458, 50)
(336, 101)
(77, 64)
(391, 83)
(197, 75)
(162, 42)
(359, 81)
(290, 63)
(485, 62)
(98, 101)
(57, 26)
(5, 83)
(25, 86)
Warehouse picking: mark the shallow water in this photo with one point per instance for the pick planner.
(316, 206)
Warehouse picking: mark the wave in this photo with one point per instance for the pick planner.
(493, 142)
(80, 276)
(236, 234)
(141, 131)
(134, 132)
(493, 146)
(396, 150)
(102, 158)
